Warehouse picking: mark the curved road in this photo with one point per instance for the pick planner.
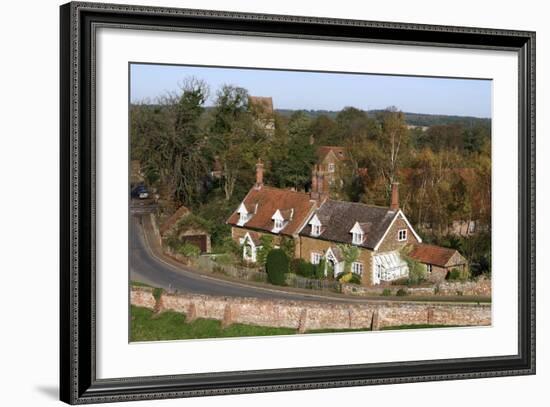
(149, 268)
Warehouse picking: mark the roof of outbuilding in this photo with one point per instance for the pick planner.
(173, 219)
(262, 203)
(436, 255)
(339, 217)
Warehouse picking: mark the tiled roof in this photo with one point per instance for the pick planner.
(265, 104)
(268, 201)
(173, 219)
(339, 152)
(436, 255)
(338, 218)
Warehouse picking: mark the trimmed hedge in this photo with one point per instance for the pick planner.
(277, 265)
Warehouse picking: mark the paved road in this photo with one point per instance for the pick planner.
(147, 267)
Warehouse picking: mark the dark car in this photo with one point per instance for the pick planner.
(140, 192)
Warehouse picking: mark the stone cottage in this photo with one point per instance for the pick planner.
(279, 213)
(439, 260)
(320, 226)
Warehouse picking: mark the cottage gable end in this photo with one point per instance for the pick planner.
(398, 234)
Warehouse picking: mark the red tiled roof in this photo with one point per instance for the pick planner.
(430, 254)
(173, 219)
(339, 152)
(264, 103)
(268, 200)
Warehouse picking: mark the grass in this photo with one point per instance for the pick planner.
(169, 325)
(140, 284)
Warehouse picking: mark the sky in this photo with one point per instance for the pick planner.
(324, 91)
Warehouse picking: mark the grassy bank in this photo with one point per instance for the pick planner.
(146, 326)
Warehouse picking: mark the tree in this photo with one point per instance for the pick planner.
(393, 140)
(293, 157)
(277, 265)
(236, 138)
(169, 141)
(350, 254)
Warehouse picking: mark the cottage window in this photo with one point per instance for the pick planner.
(243, 218)
(315, 230)
(357, 268)
(315, 258)
(357, 238)
(278, 224)
(429, 268)
(402, 235)
(331, 167)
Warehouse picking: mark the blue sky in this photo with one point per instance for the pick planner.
(321, 90)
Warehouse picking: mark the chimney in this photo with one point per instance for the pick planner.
(314, 182)
(394, 196)
(259, 174)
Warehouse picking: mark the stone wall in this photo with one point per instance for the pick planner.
(480, 287)
(142, 297)
(308, 315)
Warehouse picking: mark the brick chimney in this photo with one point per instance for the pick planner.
(259, 174)
(394, 196)
(314, 180)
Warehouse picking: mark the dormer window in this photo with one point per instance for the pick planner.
(244, 215)
(331, 167)
(278, 221)
(315, 224)
(357, 234)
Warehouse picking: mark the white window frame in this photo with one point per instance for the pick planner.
(357, 238)
(316, 257)
(278, 224)
(315, 230)
(357, 268)
(331, 167)
(404, 232)
(429, 268)
(315, 226)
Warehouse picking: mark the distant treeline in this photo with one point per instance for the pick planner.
(412, 119)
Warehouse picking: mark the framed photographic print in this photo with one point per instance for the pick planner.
(255, 203)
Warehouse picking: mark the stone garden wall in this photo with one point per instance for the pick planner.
(309, 315)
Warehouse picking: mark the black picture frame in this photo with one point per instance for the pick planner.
(78, 382)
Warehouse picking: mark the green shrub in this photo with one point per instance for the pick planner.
(224, 259)
(355, 279)
(386, 292)
(157, 292)
(189, 250)
(319, 270)
(277, 265)
(305, 269)
(349, 277)
(453, 275)
(401, 292)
